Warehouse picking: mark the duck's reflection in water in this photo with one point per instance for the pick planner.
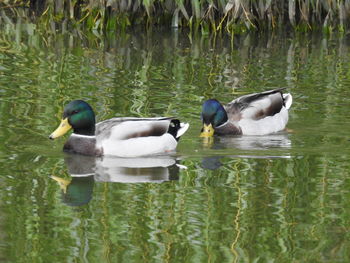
(247, 147)
(85, 171)
(136, 170)
(77, 191)
(249, 142)
(262, 142)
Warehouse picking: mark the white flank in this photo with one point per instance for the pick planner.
(266, 125)
(139, 146)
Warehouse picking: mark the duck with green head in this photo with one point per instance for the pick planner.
(254, 114)
(123, 137)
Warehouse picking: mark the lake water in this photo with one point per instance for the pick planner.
(277, 198)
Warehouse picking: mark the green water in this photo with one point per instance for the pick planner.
(277, 198)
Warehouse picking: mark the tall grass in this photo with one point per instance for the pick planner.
(198, 15)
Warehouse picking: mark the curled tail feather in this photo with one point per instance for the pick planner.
(288, 100)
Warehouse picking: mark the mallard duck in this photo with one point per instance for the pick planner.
(123, 137)
(253, 114)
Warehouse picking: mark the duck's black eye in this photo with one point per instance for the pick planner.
(75, 112)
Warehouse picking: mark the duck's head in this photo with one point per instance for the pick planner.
(79, 116)
(213, 115)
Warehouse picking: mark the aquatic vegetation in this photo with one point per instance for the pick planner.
(231, 16)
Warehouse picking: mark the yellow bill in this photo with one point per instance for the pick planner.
(62, 129)
(63, 183)
(208, 131)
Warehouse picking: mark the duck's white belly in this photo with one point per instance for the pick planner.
(266, 125)
(139, 146)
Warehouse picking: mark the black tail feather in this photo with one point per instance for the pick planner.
(174, 126)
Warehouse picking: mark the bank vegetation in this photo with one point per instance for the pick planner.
(205, 16)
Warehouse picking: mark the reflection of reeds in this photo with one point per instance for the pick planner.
(205, 16)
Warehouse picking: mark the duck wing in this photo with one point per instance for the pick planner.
(256, 106)
(130, 127)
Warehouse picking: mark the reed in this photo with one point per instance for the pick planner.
(206, 16)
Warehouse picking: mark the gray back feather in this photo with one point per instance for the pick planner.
(155, 127)
(256, 106)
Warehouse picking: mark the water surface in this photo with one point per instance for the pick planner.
(282, 197)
